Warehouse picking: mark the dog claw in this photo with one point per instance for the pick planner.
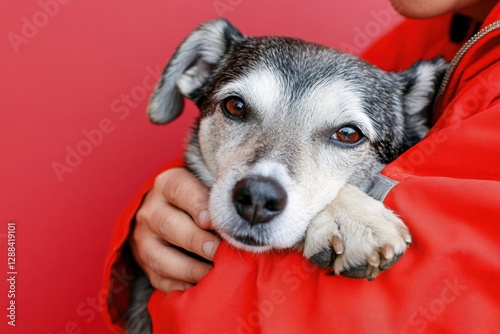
(337, 245)
(388, 252)
(350, 241)
(374, 259)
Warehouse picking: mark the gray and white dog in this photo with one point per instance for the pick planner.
(290, 138)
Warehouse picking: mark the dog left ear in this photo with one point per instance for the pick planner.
(421, 82)
(190, 68)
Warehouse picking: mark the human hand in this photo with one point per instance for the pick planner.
(174, 215)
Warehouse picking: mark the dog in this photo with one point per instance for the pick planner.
(290, 139)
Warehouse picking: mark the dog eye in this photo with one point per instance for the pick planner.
(347, 135)
(234, 107)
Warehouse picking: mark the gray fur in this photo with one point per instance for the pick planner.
(203, 49)
(296, 96)
(138, 319)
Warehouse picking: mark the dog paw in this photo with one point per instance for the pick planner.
(356, 236)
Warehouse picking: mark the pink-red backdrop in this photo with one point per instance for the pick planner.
(75, 143)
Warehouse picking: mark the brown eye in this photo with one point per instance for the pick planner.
(347, 135)
(234, 107)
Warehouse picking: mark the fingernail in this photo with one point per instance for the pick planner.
(206, 272)
(209, 249)
(204, 219)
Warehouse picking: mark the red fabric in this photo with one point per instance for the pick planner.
(448, 195)
(413, 40)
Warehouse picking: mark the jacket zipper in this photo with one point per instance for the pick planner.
(466, 47)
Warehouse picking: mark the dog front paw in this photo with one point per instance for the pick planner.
(356, 236)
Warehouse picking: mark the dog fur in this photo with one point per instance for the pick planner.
(296, 97)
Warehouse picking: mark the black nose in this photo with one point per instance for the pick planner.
(258, 199)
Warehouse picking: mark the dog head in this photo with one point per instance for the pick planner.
(284, 124)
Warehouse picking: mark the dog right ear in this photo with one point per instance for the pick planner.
(190, 68)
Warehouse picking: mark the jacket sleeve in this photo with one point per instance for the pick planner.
(448, 193)
(120, 267)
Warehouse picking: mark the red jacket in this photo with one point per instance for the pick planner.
(447, 191)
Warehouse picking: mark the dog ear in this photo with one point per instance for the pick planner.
(421, 83)
(190, 67)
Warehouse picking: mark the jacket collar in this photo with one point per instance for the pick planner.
(481, 50)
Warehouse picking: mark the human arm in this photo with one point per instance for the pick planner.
(121, 268)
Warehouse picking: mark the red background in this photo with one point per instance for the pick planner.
(66, 70)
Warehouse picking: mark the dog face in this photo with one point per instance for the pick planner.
(285, 124)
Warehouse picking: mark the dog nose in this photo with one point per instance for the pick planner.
(259, 199)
